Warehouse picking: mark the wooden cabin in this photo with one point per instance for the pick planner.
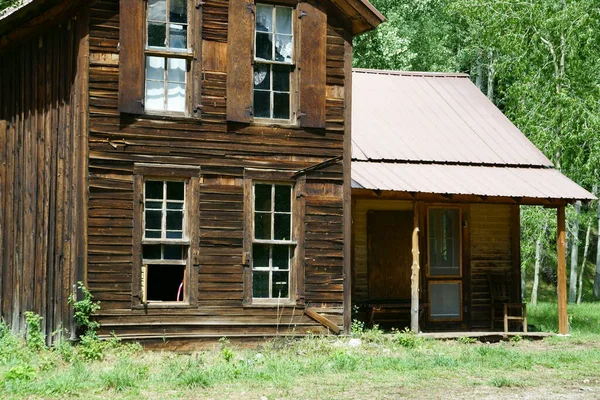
(430, 153)
(187, 160)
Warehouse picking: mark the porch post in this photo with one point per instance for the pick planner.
(563, 328)
(414, 283)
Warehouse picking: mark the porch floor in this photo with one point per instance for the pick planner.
(484, 336)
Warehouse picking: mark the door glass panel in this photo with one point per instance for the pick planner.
(444, 300)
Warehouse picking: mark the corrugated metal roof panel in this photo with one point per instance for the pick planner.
(429, 117)
(540, 183)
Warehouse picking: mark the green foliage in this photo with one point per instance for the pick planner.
(226, 351)
(4, 4)
(407, 338)
(124, 375)
(466, 340)
(357, 328)
(84, 309)
(35, 337)
(505, 382)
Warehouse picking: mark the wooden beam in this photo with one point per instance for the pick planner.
(312, 313)
(347, 196)
(563, 327)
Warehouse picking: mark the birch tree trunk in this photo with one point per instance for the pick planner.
(585, 255)
(574, 254)
(539, 248)
(597, 277)
(490, 77)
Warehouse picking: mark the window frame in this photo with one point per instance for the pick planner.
(191, 55)
(460, 243)
(166, 173)
(293, 88)
(296, 268)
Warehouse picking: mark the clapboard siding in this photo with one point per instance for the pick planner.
(223, 151)
(42, 168)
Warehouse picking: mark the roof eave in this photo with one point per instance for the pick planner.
(362, 14)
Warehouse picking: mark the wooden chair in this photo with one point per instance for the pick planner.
(500, 296)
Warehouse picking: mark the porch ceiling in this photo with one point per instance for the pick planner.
(534, 183)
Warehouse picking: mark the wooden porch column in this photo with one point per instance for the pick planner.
(563, 327)
(415, 273)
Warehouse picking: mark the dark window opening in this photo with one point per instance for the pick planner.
(165, 282)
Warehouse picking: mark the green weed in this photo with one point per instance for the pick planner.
(124, 375)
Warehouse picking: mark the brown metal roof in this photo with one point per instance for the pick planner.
(432, 117)
(437, 133)
(526, 182)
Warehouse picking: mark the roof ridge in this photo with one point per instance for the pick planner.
(424, 74)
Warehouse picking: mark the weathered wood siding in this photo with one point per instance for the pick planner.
(222, 150)
(360, 208)
(42, 173)
(491, 251)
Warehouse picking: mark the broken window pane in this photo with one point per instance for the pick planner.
(164, 282)
(264, 18)
(264, 46)
(177, 36)
(178, 12)
(283, 48)
(262, 77)
(157, 35)
(280, 284)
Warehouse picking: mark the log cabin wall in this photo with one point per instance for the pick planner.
(42, 174)
(491, 251)
(223, 151)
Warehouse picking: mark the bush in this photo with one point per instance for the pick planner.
(407, 338)
(35, 338)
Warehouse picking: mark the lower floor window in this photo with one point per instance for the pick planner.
(271, 271)
(164, 272)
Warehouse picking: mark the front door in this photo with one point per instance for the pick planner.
(389, 254)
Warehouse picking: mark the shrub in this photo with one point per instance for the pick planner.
(407, 338)
(35, 337)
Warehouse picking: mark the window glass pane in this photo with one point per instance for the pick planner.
(262, 77)
(262, 104)
(153, 219)
(260, 284)
(177, 36)
(283, 20)
(281, 257)
(283, 198)
(154, 190)
(174, 206)
(174, 235)
(282, 227)
(178, 12)
(154, 205)
(173, 252)
(175, 190)
(444, 242)
(176, 97)
(260, 256)
(283, 48)
(174, 220)
(264, 46)
(151, 251)
(157, 35)
(281, 78)
(155, 96)
(280, 284)
(264, 18)
(176, 70)
(157, 10)
(152, 234)
(445, 300)
(281, 106)
(262, 226)
(262, 197)
(155, 68)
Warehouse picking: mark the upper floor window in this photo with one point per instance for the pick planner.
(273, 61)
(167, 56)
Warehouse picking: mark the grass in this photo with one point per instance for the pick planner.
(381, 367)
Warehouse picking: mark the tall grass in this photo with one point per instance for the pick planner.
(584, 319)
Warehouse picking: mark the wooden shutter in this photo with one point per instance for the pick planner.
(240, 49)
(312, 64)
(131, 56)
